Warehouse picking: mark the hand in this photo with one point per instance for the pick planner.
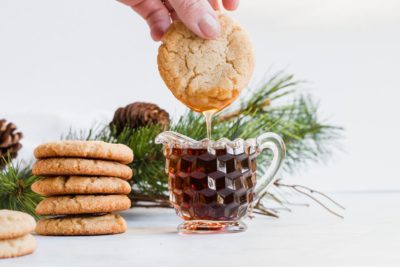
(198, 15)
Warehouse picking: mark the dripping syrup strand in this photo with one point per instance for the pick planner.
(208, 115)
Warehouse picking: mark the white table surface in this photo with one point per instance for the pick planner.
(368, 236)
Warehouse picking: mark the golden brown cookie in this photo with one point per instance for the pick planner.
(71, 185)
(16, 247)
(15, 224)
(206, 74)
(76, 166)
(82, 204)
(82, 225)
(85, 149)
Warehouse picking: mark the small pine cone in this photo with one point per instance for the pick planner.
(9, 141)
(139, 114)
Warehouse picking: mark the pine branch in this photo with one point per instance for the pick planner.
(276, 105)
(309, 192)
(15, 188)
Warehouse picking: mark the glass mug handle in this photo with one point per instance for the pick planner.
(274, 143)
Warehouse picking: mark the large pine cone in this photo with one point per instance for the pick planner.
(9, 141)
(139, 114)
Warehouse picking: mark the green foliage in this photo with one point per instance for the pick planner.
(148, 166)
(15, 188)
(277, 105)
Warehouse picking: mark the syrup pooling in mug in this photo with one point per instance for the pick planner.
(204, 186)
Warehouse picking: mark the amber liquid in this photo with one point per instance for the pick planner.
(202, 103)
(204, 186)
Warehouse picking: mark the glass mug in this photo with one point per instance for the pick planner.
(212, 184)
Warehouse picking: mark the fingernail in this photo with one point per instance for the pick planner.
(156, 36)
(157, 31)
(235, 5)
(209, 26)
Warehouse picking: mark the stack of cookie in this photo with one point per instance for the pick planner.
(83, 182)
(15, 237)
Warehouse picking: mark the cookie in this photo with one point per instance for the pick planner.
(85, 149)
(82, 204)
(16, 247)
(82, 225)
(15, 224)
(69, 185)
(76, 166)
(206, 74)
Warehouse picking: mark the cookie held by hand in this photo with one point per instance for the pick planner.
(206, 74)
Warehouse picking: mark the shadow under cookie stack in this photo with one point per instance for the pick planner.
(84, 182)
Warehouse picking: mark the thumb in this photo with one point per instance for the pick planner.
(198, 16)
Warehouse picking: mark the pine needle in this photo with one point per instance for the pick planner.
(295, 118)
(15, 188)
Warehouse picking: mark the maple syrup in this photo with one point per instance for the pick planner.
(205, 186)
(201, 102)
(208, 115)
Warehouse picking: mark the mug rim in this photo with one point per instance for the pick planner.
(176, 140)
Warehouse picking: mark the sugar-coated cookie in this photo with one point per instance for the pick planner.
(16, 247)
(82, 225)
(206, 74)
(69, 185)
(82, 204)
(85, 149)
(15, 224)
(78, 166)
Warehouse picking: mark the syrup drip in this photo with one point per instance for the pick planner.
(208, 115)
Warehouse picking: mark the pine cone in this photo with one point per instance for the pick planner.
(9, 141)
(139, 114)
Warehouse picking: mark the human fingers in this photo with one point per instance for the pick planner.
(155, 14)
(198, 16)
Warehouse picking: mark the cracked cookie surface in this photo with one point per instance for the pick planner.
(68, 185)
(77, 166)
(206, 74)
(15, 224)
(85, 149)
(82, 204)
(16, 247)
(82, 225)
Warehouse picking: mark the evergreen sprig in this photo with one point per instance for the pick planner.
(15, 188)
(276, 105)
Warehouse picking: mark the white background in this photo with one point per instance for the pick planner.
(72, 63)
